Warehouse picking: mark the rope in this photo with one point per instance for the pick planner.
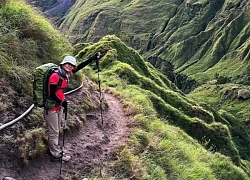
(74, 90)
(17, 119)
(30, 108)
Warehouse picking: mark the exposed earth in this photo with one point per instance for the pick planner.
(91, 147)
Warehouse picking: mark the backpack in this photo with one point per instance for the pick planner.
(40, 84)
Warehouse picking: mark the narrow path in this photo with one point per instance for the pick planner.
(90, 146)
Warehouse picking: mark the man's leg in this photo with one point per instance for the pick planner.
(52, 120)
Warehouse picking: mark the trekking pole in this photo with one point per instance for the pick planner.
(64, 132)
(99, 83)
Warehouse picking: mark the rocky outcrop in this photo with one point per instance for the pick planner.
(243, 94)
(183, 82)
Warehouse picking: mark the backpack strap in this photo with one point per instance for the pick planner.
(58, 85)
(59, 82)
(49, 99)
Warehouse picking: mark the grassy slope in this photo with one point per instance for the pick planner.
(157, 149)
(203, 39)
(206, 40)
(224, 98)
(27, 40)
(221, 49)
(127, 19)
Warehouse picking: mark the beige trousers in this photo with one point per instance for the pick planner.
(53, 120)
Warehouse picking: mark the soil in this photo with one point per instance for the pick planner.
(90, 147)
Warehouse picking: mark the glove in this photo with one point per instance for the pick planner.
(96, 56)
(65, 103)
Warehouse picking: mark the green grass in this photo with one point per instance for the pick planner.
(174, 137)
(170, 141)
(27, 40)
(168, 152)
(223, 99)
(224, 96)
(31, 41)
(200, 38)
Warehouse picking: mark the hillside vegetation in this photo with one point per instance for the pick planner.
(204, 40)
(27, 40)
(192, 42)
(174, 136)
(216, 131)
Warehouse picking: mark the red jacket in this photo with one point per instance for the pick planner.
(54, 79)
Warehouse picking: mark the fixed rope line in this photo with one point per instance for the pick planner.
(30, 108)
(74, 90)
(17, 119)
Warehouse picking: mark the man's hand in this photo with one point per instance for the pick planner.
(96, 56)
(100, 54)
(65, 103)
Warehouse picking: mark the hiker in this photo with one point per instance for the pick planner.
(53, 116)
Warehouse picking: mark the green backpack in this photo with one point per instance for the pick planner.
(40, 84)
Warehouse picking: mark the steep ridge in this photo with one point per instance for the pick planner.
(193, 42)
(198, 38)
(175, 137)
(221, 37)
(199, 121)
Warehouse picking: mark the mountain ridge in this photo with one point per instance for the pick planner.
(184, 30)
(162, 114)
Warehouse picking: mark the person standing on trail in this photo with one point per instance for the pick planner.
(53, 116)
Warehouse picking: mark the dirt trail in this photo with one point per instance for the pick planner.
(89, 147)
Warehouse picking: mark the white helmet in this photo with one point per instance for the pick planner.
(69, 59)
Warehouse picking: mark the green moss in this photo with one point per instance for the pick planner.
(227, 110)
(172, 107)
(27, 41)
(184, 159)
(148, 97)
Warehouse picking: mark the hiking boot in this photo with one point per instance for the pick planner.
(55, 159)
(48, 152)
(65, 158)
